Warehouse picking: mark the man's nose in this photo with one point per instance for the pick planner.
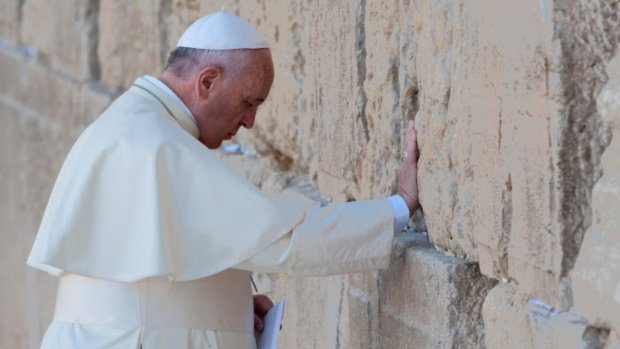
(248, 120)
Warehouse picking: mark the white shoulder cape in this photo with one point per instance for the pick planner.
(139, 196)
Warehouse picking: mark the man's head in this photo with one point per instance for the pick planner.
(222, 88)
(222, 70)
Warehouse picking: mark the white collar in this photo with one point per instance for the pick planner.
(155, 81)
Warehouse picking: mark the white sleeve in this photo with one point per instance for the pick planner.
(401, 212)
(335, 239)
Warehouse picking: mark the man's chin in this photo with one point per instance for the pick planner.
(211, 145)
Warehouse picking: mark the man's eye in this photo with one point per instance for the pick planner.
(247, 104)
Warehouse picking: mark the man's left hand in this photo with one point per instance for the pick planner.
(262, 304)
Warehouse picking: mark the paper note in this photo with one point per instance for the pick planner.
(271, 332)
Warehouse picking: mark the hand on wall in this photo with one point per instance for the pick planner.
(408, 180)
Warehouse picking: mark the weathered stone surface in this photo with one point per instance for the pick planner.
(11, 74)
(131, 40)
(489, 104)
(93, 99)
(308, 300)
(596, 277)
(503, 96)
(27, 297)
(358, 321)
(511, 320)
(50, 94)
(64, 33)
(586, 49)
(9, 20)
(177, 15)
(435, 298)
(487, 120)
(60, 100)
(14, 321)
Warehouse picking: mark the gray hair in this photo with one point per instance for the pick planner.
(183, 61)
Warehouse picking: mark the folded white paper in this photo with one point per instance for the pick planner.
(271, 332)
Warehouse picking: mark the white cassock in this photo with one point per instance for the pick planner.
(153, 236)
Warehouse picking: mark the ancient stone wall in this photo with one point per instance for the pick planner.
(518, 160)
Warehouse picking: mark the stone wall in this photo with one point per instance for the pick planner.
(513, 142)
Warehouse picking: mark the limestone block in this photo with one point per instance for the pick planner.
(131, 40)
(46, 144)
(177, 17)
(486, 93)
(345, 129)
(50, 94)
(486, 133)
(14, 322)
(513, 320)
(93, 100)
(586, 50)
(285, 123)
(360, 325)
(10, 75)
(312, 312)
(64, 33)
(40, 302)
(9, 20)
(596, 276)
(433, 298)
(613, 342)
(27, 296)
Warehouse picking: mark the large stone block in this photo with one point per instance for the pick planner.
(49, 94)
(12, 64)
(131, 40)
(359, 323)
(312, 312)
(596, 277)
(9, 20)
(135, 38)
(64, 33)
(513, 320)
(14, 321)
(354, 83)
(27, 296)
(93, 100)
(177, 17)
(434, 298)
(485, 101)
(488, 94)
(45, 146)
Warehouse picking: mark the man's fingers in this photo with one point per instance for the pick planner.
(262, 304)
(258, 324)
(410, 145)
(407, 186)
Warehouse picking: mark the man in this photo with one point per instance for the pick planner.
(153, 237)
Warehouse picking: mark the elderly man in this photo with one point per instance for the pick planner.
(153, 237)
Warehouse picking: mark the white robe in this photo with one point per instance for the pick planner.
(139, 199)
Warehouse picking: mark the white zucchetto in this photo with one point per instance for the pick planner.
(222, 31)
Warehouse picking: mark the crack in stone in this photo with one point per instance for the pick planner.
(93, 65)
(360, 42)
(342, 287)
(165, 11)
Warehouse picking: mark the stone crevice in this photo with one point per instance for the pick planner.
(360, 44)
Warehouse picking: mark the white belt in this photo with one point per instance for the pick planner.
(219, 302)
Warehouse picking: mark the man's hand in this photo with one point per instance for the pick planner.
(408, 180)
(262, 304)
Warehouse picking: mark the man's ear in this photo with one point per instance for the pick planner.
(208, 77)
